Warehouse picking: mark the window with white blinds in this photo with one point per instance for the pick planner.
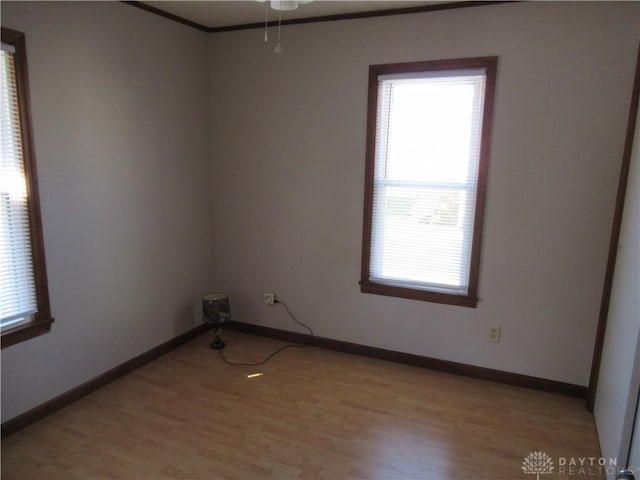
(17, 285)
(424, 167)
(24, 302)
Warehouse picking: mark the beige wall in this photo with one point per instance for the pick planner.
(288, 141)
(120, 130)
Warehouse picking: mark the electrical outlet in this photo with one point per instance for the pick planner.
(494, 333)
(269, 298)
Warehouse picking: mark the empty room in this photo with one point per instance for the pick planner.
(320, 240)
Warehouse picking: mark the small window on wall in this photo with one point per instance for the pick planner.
(24, 298)
(429, 125)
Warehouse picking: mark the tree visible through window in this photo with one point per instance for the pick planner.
(24, 300)
(427, 152)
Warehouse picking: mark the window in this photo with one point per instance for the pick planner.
(428, 133)
(24, 300)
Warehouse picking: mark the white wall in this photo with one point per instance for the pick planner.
(288, 144)
(619, 378)
(120, 124)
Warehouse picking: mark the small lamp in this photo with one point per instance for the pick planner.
(215, 311)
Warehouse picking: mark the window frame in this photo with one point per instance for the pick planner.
(41, 323)
(470, 299)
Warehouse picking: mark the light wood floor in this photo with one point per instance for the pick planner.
(313, 414)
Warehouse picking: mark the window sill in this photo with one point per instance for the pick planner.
(26, 331)
(413, 294)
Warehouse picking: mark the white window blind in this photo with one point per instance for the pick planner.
(17, 285)
(428, 138)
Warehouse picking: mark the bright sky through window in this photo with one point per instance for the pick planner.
(431, 131)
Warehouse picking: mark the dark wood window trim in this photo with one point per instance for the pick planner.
(43, 320)
(368, 286)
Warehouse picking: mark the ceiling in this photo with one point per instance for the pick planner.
(219, 14)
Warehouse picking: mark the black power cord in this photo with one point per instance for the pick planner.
(273, 354)
(257, 364)
(313, 337)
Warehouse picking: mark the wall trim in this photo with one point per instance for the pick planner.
(359, 15)
(47, 408)
(500, 376)
(322, 18)
(170, 16)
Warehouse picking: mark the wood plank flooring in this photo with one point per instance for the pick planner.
(313, 414)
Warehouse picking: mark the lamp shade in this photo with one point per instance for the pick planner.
(216, 308)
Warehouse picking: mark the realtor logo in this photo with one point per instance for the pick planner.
(537, 463)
